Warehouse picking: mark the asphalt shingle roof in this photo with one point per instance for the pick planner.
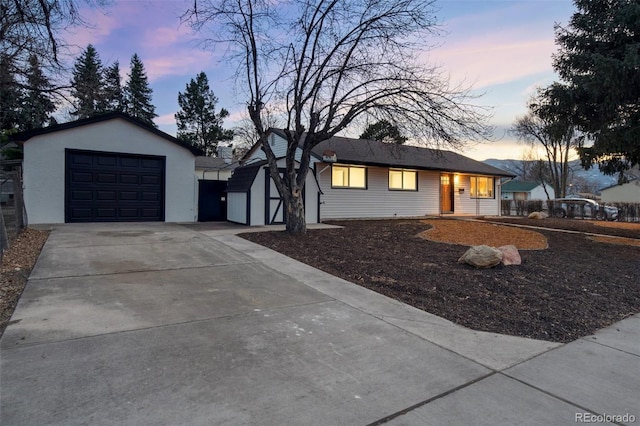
(519, 186)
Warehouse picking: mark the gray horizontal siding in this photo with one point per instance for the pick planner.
(377, 200)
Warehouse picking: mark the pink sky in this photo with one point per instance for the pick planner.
(502, 48)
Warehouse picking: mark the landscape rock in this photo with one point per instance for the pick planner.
(510, 255)
(482, 256)
(538, 215)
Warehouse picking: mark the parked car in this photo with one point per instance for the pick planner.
(583, 207)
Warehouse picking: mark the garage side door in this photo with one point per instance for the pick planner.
(113, 187)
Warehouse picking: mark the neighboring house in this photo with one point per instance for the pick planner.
(109, 168)
(521, 190)
(626, 193)
(355, 178)
(213, 168)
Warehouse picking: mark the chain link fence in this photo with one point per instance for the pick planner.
(13, 217)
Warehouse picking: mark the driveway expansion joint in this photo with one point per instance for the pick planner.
(429, 400)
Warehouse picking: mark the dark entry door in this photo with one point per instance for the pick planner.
(212, 200)
(113, 187)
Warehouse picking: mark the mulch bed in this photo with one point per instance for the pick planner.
(17, 262)
(569, 290)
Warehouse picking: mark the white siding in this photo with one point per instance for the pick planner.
(205, 174)
(464, 204)
(538, 193)
(278, 146)
(257, 199)
(626, 193)
(237, 207)
(44, 167)
(377, 200)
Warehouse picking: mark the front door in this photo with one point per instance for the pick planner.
(446, 193)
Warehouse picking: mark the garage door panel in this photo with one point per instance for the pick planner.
(106, 178)
(129, 196)
(150, 196)
(106, 195)
(114, 187)
(150, 180)
(130, 162)
(107, 160)
(82, 177)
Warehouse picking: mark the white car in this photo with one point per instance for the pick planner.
(582, 207)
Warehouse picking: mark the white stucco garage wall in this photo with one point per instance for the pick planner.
(44, 167)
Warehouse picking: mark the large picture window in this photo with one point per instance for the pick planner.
(481, 187)
(403, 180)
(348, 177)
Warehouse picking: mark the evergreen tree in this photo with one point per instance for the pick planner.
(599, 60)
(138, 94)
(198, 123)
(10, 95)
(383, 131)
(113, 93)
(38, 104)
(87, 86)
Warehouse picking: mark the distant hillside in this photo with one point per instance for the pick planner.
(581, 180)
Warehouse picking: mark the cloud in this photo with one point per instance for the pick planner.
(494, 60)
(180, 62)
(165, 119)
(100, 25)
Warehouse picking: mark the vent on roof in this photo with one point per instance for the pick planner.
(329, 156)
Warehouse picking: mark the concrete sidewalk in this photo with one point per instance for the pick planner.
(163, 324)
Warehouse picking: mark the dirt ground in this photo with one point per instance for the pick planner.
(17, 263)
(571, 289)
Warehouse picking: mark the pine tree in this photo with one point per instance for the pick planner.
(599, 60)
(10, 95)
(113, 93)
(138, 94)
(198, 123)
(383, 131)
(38, 104)
(87, 86)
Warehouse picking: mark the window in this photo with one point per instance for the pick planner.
(404, 180)
(481, 187)
(348, 177)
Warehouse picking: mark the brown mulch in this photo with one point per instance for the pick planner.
(569, 290)
(17, 263)
(474, 233)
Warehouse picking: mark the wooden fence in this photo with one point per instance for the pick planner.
(13, 217)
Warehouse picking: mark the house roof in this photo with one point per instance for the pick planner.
(25, 136)
(368, 152)
(214, 163)
(376, 153)
(519, 186)
(619, 184)
(243, 177)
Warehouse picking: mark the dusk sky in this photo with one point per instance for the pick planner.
(501, 48)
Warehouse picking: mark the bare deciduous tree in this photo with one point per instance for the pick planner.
(33, 28)
(329, 63)
(546, 125)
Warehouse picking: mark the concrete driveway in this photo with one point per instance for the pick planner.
(163, 324)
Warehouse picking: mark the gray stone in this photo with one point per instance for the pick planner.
(538, 215)
(482, 256)
(510, 255)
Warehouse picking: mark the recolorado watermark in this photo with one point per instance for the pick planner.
(604, 418)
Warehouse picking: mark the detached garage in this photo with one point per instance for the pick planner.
(110, 168)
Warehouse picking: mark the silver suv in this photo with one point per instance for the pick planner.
(583, 207)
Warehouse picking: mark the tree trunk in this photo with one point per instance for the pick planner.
(295, 219)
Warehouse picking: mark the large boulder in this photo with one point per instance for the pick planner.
(538, 215)
(510, 255)
(482, 256)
